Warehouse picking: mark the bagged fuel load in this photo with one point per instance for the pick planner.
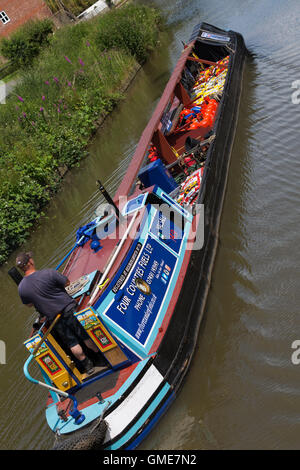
(210, 81)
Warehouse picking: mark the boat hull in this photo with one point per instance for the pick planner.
(176, 350)
(152, 383)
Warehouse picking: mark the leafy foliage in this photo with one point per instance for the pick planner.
(48, 121)
(27, 42)
(133, 28)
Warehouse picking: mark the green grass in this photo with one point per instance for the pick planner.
(49, 119)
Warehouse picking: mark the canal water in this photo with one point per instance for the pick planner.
(242, 391)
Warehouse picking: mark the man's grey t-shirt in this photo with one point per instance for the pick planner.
(45, 289)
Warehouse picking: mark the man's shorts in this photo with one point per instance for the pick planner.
(70, 330)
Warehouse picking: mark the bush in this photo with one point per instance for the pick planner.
(133, 28)
(24, 45)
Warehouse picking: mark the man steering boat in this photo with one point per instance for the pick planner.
(45, 290)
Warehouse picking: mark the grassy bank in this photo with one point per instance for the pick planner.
(47, 123)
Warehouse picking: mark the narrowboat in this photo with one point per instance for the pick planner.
(140, 271)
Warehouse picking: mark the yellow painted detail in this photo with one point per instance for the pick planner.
(95, 329)
(49, 357)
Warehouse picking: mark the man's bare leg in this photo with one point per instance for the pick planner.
(89, 343)
(78, 352)
(85, 361)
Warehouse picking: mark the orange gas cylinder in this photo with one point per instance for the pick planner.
(187, 115)
(204, 122)
(153, 155)
(185, 112)
(195, 124)
(211, 111)
(208, 112)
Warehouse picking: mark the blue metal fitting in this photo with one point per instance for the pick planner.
(96, 245)
(78, 417)
(75, 413)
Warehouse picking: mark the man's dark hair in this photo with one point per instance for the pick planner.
(23, 259)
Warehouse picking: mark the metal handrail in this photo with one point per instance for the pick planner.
(75, 413)
(113, 258)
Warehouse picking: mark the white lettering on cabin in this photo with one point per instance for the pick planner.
(143, 323)
(132, 286)
(149, 248)
(144, 260)
(139, 302)
(152, 272)
(131, 289)
(123, 305)
(161, 221)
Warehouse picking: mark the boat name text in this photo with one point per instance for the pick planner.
(139, 272)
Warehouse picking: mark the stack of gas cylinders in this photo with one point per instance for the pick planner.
(208, 87)
(153, 154)
(198, 116)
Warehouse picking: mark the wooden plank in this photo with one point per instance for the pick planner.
(163, 147)
(115, 356)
